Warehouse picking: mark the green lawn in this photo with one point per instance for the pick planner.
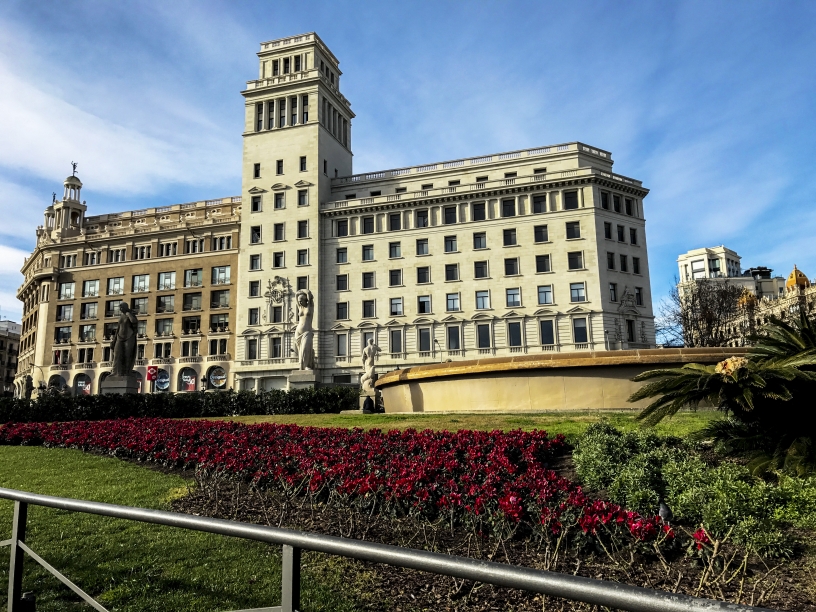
(570, 424)
(133, 566)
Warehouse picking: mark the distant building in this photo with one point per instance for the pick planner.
(723, 264)
(9, 349)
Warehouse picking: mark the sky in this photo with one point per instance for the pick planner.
(711, 104)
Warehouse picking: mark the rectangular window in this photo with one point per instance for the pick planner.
(422, 246)
(480, 269)
(341, 227)
(141, 282)
(639, 296)
(539, 204)
(394, 250)
(368, 225)
(65, 313)
(303, 197)
(368, 280)
(259, 116)
(278, 259)
(293, 110)
(90, 288)
(608, 231)
(605, 200)
(256, 204)
(424, 340)
(220, 243)
(479, 212)
(116, 286)
(303, 157)
(514, 334)
(342, 282)
(424, 274)
(481, 179)
(628, 206)
(368, 309)
(575, 260)
(89, 310)
(279, 202)
(192, 278)
(254, 288)
(636, 265)
(610, 261)
(255, 234)
(483, 336)
(270, 113)
(579, 331)
(624, 267)
(513, 297)
(395, 278)
(304, 110)
(543, 263)
(427, 186)
(540, 233)
(394, 222)
(577, 292)
(482, 300)
(342, 310)
(254, 262)
(452, 302)
(303, 229)
(302, 282)
(511, 266)
(192, 301)
(509, 237)
(547, 332)
(342, 255)
(220, 275)
(613, 292)
(545, 294)
(303, 257)
(480, 240)
(424, 304)
(400, 190)
(454, 338)
(276, 348)
(450, 244)
(573, 230)
(508, 208)
(396, 307)
(252, 348)
(342, 345)
(165, 303)
(570, 200)
(279, 167)
(256, 171)
(396, 341)
(254, 316)
(630, 330)
(450, 215)
(368, 252)
(285, 65)
(422, 218)
(616, 203)
(632, 235)
(451, 272)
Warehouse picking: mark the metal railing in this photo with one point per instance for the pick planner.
(566, 586)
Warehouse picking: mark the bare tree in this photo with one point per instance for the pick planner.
(697, 313)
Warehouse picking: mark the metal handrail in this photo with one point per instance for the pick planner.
(566, 586)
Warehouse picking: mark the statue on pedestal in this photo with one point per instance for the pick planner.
(304, 332)
(123, 345)
(369, 377)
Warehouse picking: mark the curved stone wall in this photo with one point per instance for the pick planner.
(558, 381)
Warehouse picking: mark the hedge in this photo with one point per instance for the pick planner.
(55, 407)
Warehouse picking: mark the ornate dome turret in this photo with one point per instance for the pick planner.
(747, 299)
(796, 279)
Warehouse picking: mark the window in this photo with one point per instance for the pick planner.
(628, 206)
(342, 310)
(220, 322)
(482, 300)
(450, 244)
(303, 257)
(63, 335)
(219, 243)
(368, 225)
(510, 174)
(304, 108)
(545, 294)
(255, 234)
(481, 179)
(116, 286)
(293, 109)
(255, 206)
(141, 282)
(254, 288)
(218, 347)
(613, 292)
(547, 332)
(424, 340)
(395, 278)
(368, 309)
(480, 269)
(256, 171)
(91, 259)
(479, 211)
(579, 331)
(454, 183)
(424, 304)
(575, 260)
(278, 259)
(368, 280)
(368, 252)
(87, 333)
(509, 237)
(483, 336)
(116, 255)
(278, 232)
(424, 274)
(540, 233)
(221, 275)
(259, 116)
(616, 203)
(450, 215)
(453, 338)
(422, 246)
(630, 330)
(543, 263)
(511, 266)
(573, 230)
(610, 261)
(396, 341)
(394, 222)
(514, 334)
(302, 197)
(422, 218)
(286, 64)
(608, 231)
(632, 235)
(480, 240)
(341, 280)
(400, 190)
(342, 255)
(252, 348)
(570, 200)
(452, 302)
(513, 297)
(192, 301)
(279, 167)
(539, 204)
(65, 313)
(279, 202)
(164, 327)
(254, 316)
(90, 288)
(341, 228)
(303, 157)
(577, 292)
(342, 345)
(508, 208)
(427, 186)
(325, 167)
(192, 278)
(636, 265)
(639, 296)
(624, 267)
(605, 200)
(194, 246)
(394, 250)
(277, 314)
(396, 307)
(254, 262)
(89, 310)
(451, 272)
(143, 252)
(165, 303)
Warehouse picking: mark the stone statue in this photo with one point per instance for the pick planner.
(369, 377)
(123, 345)
(304, 332)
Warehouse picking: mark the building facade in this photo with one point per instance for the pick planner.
(723, 264)
(9, 352)
(175, 266)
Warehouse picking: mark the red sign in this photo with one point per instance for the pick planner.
(151, 372)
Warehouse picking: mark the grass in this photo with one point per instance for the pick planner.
(571, 424)
(132, 566)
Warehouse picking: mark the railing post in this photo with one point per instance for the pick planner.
(290, 591)
(18, 532)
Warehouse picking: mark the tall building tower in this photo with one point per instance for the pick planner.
(297, 137)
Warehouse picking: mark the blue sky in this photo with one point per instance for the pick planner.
(710, 104)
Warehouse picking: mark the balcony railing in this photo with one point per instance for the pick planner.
(193, 359)
(191, 307)
(165, 309)
(219, 305)
(166, 287)
(115, 291)
(224, 357)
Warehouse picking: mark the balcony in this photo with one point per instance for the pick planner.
(87, 365)
(191, 332)
(194, 359)
(219, 329)
(215, 305)
(191, 307)
(115, 291)
(87, 338)
(105, 364)
(166, 287)
(165, 309)
(164, 334)
(193, 283)
(62, 340)
(67, 318)
(162, 360)
(224, 357)
(141, 362)
(88, 317)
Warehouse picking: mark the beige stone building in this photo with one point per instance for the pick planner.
(9, 351)
(721, 264)
(175, 266)
(525, 251)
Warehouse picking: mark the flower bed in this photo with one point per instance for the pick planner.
(498, 479)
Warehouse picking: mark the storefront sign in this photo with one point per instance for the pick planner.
(218, 377)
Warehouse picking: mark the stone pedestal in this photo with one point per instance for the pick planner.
(120, 385)
(302, 379)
